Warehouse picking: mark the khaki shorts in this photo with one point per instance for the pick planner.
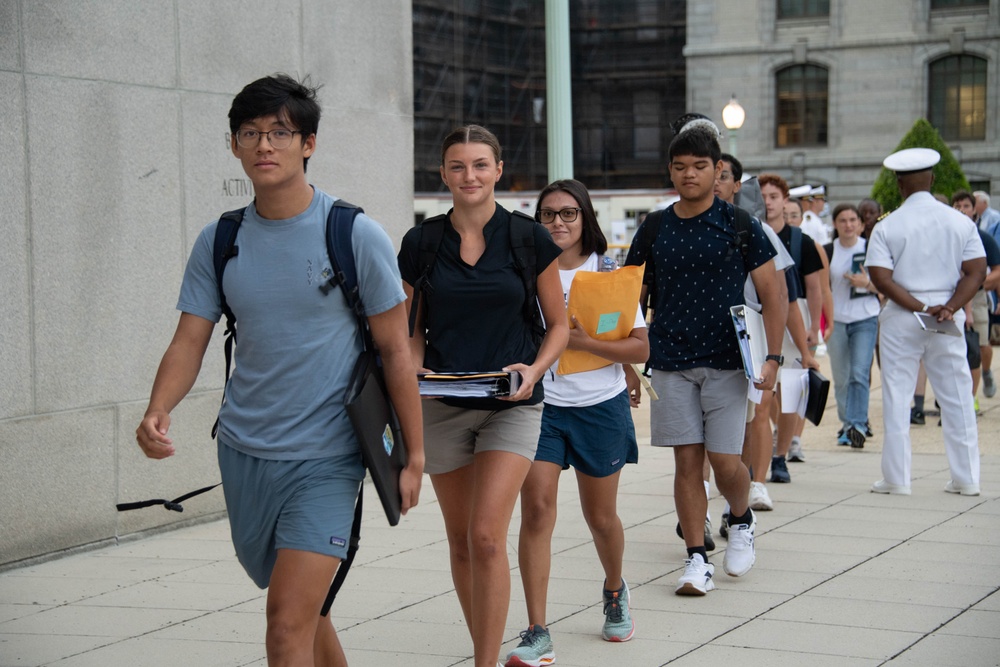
(981, 317)
(453, 436)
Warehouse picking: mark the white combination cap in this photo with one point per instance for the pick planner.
(800, 191)
(912, 159)
(819, 191)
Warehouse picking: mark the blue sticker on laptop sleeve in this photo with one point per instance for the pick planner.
(387, 440)
(607, 322)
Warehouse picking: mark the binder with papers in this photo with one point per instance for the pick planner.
(930, 324)
(752, 340)
(489, 384)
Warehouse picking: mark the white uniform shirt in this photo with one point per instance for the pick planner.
(924, 242)
(589, 387)
(814, 226)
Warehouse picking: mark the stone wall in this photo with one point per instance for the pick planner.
(116, 149)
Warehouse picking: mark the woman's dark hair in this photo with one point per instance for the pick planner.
(471, 134)
(292, 101)
(840, 208)
(963, 194)
(592, 238)
(698, 142)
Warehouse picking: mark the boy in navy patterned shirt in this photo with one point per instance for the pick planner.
(698, 274)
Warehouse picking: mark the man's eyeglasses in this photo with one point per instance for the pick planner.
(547, 216)
(279, 138)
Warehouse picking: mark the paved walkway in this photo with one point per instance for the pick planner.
(843, 577)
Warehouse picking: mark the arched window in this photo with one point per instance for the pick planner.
(956, 97)
(801, 106)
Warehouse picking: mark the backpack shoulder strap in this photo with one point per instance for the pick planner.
(522, 246)
(223, 249)
(431, 233)
(344, 272)
(744, 229)
(796, 247)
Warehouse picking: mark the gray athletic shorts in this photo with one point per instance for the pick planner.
(453, 436)
(701, 405)
(302, 505)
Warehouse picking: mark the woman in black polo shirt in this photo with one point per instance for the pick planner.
(471, 316)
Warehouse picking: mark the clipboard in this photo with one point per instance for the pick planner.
(930, 324)
(752, 340)
(474, 384)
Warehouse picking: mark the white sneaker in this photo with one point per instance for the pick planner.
(740, 554)
(697, 577)
(883, 486)
(965, 489)
(760, 500)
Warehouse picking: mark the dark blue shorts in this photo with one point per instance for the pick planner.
(597, 440)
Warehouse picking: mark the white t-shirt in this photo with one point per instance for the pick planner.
(589, 387)
(781, 262)
(846, 309)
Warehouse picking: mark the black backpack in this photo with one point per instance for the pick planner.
(522, 245)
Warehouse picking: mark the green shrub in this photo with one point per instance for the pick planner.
(948, 175)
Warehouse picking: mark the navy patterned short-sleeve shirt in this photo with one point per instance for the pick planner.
(700, 274)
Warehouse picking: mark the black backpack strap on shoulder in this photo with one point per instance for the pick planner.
(431, 233)
(744, 230)
(223, 250)
(645, 236)
(522, 247)
(796, 246)
(339, 248)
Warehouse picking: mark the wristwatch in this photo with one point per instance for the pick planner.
(924, 309)
(775, 357)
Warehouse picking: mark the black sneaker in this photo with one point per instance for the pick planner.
(868, 430)
(779, 471)
(856, 437)
(917, 417)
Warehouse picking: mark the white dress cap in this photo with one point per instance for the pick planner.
(800, 191)
(912, 159)
(819, 191)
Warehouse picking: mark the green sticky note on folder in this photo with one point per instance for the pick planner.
(607, 322)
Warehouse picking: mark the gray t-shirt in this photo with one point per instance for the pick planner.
(296, 346)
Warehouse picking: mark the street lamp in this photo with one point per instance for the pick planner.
(733, 116)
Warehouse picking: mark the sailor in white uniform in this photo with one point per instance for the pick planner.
(925, 258)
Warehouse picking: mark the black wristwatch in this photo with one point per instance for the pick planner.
(776, 357)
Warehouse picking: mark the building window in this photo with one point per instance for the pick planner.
(803, 9)
(956, 100)
(950, 4)
(801, 106)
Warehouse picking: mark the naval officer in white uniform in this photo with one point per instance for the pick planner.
(925, 258)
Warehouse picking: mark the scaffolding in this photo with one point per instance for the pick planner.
(483, 61)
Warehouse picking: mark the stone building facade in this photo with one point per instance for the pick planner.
(831, 86)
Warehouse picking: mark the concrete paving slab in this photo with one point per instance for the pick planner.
(714, 654)
(940, 649)
(808, 639)
(845, 612)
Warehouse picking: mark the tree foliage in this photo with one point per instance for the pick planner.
(948, 175)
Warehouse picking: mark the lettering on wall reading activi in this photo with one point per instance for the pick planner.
(237, 187)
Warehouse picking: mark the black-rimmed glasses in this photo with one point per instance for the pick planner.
(547, 216)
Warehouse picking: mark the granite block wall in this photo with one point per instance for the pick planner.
(115, 130)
